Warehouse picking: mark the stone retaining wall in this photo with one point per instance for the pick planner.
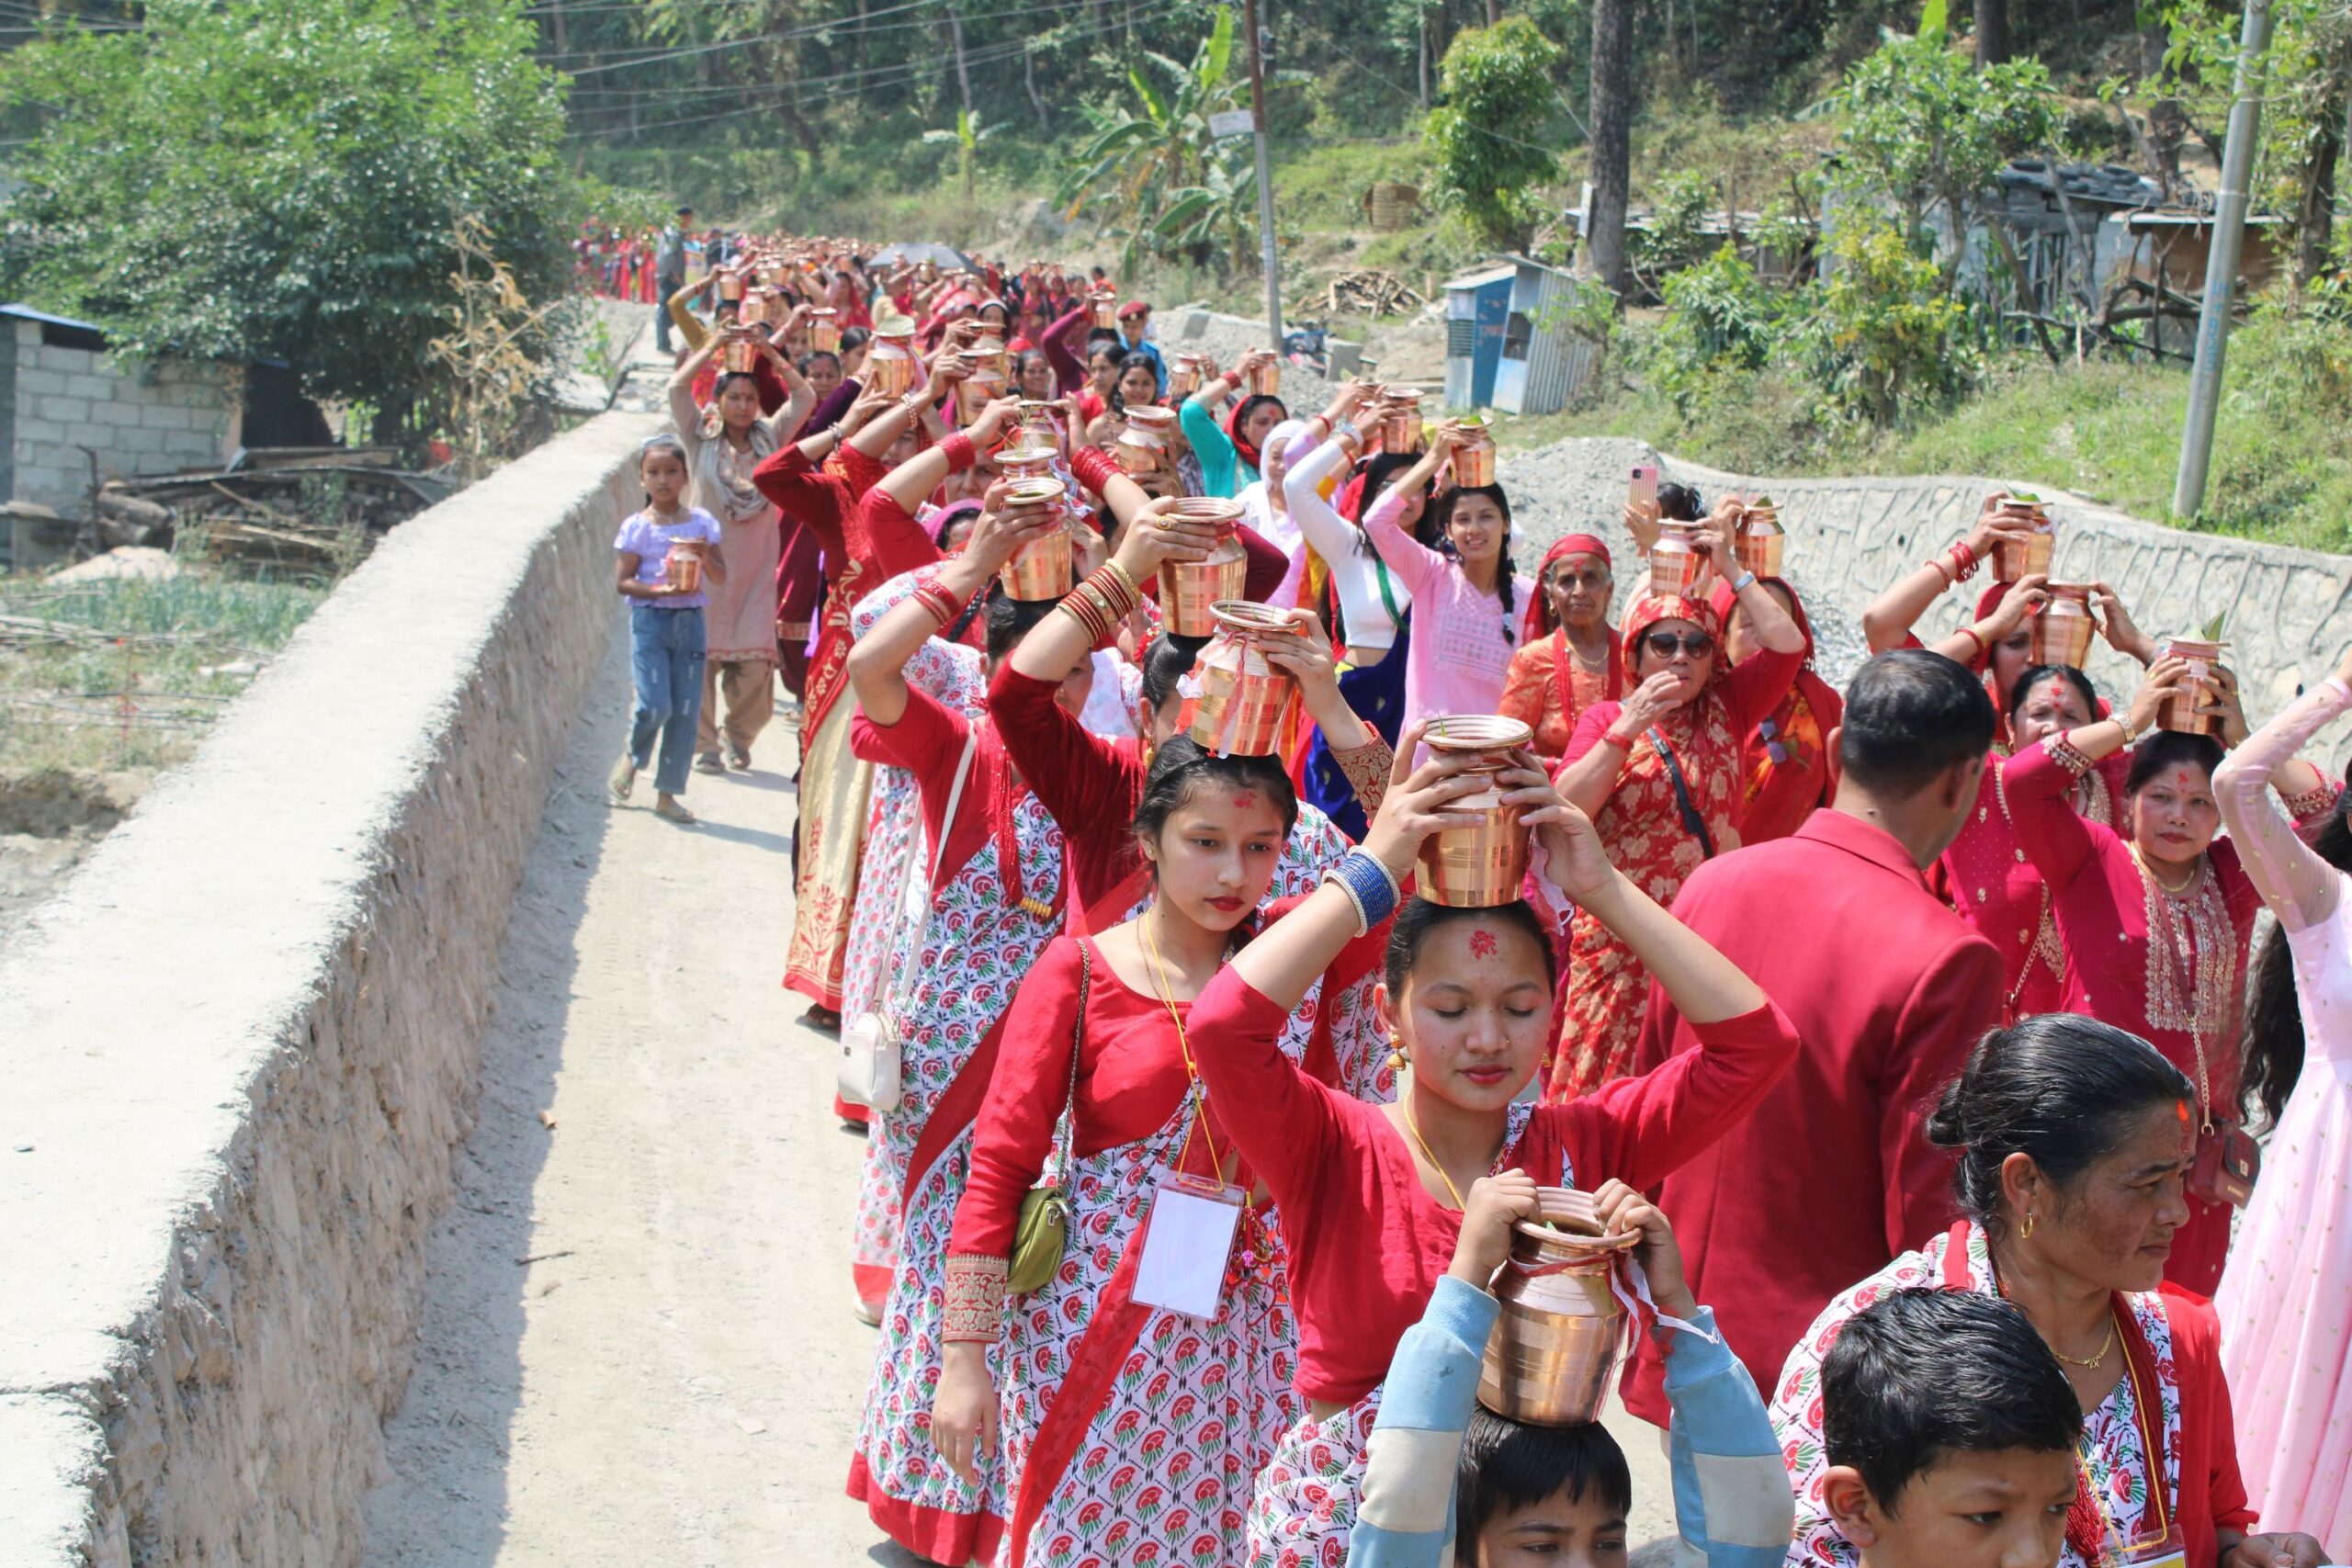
(242, 1044)
(1850, 537)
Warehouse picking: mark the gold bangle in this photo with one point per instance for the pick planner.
(1126, 579)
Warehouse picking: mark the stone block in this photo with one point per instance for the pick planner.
(72, 414)
(36, 431)
(164, 416)
(229, 1265)
(73, 361)
(35, 383)
(115, 416)
(99, 387)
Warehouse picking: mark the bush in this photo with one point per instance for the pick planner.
(1496, 77)
(1881, 335)
(1719, 316)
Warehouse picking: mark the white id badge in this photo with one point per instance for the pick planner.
(1188, 1239)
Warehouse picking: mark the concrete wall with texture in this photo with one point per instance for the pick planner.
(242, 1044)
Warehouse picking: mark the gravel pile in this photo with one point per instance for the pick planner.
(1577, 486)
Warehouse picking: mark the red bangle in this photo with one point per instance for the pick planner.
(1970, 633)
(1093, 467)
(1611, 737)
(961, 452)
(1964, 560)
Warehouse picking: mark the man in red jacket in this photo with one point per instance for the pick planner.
(1832, 1176)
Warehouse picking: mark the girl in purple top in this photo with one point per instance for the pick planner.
(665, 629)
(1464, 604)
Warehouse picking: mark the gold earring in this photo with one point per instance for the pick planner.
(1395, 1051)
(2026, 1229)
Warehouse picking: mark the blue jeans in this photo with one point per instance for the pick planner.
(665, 658)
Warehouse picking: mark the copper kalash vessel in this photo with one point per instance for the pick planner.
(2177, 711)
(1675, 563)
(1477, 868)
(1562, 1329)
(1027, 461)
(825, 330)
(1107, 309)
(2014, 558)
(983, 383)
(1245, 698)
(1761, 541)
(737, 354)
(2061, 631)
(1474, 459)
(1040, 569)
(1400, 420)
(1142, 446)
(681, 564)
(1190, 591)
(730, 288)
(891, 368)
(1266, 378)
(1185, 376)
(1037, 424)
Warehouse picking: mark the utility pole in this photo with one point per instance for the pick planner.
(1265, 183)
(2222, 262)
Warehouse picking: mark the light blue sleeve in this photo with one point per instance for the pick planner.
(1733, 1504)
(1404, 1515)
(1212, 445)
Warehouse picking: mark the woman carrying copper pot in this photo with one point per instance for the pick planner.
(1660, 774)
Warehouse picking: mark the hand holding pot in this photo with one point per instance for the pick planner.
(1307, 660)
(1720, 541)
(2116, 624)
(2026, 595)
(1417, 802)
(1156, 535)
(1496, 1203)
(997, 535)
(2166, 676)
(1575, 859)
(1660, 1256)
(985, 430)
(2225, 705)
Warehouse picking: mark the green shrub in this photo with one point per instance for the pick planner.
(1719, 316)
(1882, 335)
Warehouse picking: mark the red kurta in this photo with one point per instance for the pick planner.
(1367, 1242)
(1090, 783)
(2177, 1001)
(1833, 1176)
(1547, 688)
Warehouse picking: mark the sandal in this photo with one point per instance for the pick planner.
(708, 762)
(823, 1019)
(737, 758)
(671, 810)
(624, 778)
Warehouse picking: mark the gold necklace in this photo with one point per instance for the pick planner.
(2150, 873)
(2091, 1363)
(1405, 1102)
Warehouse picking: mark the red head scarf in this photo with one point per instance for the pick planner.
(1651, 608)
(1239, 418)
(1537, 622)
(1769, 804)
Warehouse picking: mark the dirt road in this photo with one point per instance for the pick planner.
(638, 1349)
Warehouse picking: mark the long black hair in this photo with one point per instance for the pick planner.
(1182, 765)
(1504, 566)
(1418, 919)
(2035, 674)
(2274, 1019)
(2163, 749)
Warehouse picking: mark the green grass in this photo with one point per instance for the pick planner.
(2107, 431)
(169, 657)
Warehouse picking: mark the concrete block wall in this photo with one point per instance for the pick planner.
(242, 1042)
(139, 420)
(2289, 611)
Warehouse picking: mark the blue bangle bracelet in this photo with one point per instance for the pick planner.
(1368, 886)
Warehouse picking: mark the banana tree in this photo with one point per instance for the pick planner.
(1153, 166)
(965, 139)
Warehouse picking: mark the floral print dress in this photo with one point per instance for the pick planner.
(974, 951)
(2113, 1453)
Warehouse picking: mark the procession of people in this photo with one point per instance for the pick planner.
(1332, 999)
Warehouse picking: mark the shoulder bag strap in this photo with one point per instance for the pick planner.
(1696, 824)
(1077, 1045)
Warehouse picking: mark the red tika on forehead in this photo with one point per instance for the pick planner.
(1244, 800)
(1483, 944)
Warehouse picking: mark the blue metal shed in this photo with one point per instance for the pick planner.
(1506, 340)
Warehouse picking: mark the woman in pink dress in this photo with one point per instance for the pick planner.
(2286, 1297)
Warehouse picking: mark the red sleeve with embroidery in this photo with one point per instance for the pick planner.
(2036, 784)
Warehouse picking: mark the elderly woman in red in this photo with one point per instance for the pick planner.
(2074, 1141)
(2157, 920)
(1371, 1195)
(1660, 776)
(1568, 656)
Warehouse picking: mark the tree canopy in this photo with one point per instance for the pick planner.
(286, 179)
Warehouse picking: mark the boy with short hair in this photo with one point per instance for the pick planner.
(1951, 1431)
(1445, 1480)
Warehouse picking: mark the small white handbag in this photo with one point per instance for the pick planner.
(871, 1066)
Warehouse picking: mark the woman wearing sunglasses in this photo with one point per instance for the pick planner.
(1660, 776)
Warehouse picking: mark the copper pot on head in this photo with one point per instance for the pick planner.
(1400, 420)
(1266, 378)
(891, 368)
(1761, 541)
(825, 330)
(1107, 309)
(2177, 711)
(737, 354)
(1675, 563)
(1477, 868)
(1027, 461)
(1474, 459)
(731, 287)
(2021, 557)
(1245, 698)
(1040, 569)
(2061, 630)
(1185, 376)
(1562, 1329)
(1142, 446)
(1190, 592)
(982, 385)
